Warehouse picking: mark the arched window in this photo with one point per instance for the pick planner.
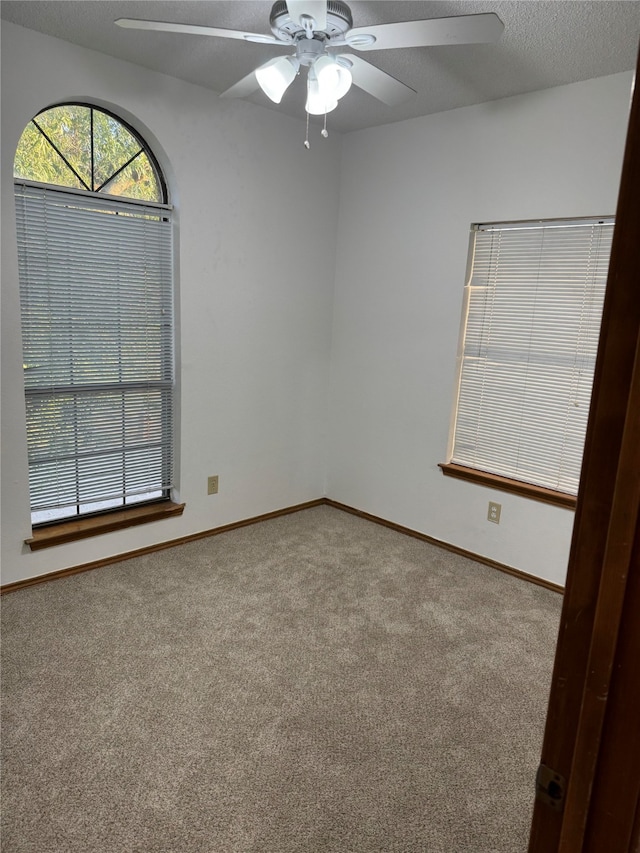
(96, 289)
(84, 148)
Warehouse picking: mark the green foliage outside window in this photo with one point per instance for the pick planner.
(86, 149)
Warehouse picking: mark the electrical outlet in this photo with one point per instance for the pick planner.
(494, 512)
(212, 485)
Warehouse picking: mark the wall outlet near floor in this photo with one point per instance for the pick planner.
(212, 485)
(494, 512)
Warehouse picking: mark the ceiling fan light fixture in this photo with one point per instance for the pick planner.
(314, 28)
(334, 79)
(318, 103)
(276, 75)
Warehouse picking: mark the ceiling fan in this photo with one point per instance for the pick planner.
(320, 31)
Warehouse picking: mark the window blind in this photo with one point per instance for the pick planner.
(97, 325)
(531, 323)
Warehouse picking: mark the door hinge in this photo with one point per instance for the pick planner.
(550, 787)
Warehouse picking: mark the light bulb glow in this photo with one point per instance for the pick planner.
(317, 104)
(276, 75)
(334, 79)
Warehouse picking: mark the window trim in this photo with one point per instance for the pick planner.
(83, 527)
(505, 484)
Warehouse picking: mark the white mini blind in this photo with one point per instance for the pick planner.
(97, 326)
(532, 313)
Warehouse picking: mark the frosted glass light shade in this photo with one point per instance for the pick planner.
(276, 75)
(334, 79)
(317, 104)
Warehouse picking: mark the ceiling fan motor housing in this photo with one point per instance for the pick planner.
(339, 22)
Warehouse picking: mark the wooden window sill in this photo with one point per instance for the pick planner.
(504, 484)
(83, 528)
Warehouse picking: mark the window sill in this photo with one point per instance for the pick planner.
(504, 484)
(70, 531)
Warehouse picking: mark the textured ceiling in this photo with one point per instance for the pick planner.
(545, 43)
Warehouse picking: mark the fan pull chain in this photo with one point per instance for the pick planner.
(324, 132)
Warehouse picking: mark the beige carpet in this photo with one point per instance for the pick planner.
(311, 683)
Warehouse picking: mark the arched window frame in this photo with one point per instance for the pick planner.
(144, 149)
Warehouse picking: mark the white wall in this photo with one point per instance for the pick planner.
(409, 193)
(255, 309)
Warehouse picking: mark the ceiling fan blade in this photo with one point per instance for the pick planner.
(316, 9)
(376, 82)
(247, 86)
(462, 29)
(192, 29)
